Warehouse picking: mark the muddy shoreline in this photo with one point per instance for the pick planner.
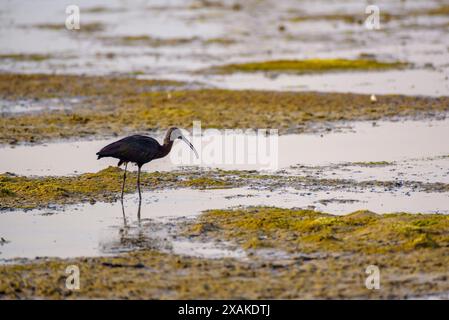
(324, 256)
(40, 192)
(327, 269)
(116, 106)
(363, 172)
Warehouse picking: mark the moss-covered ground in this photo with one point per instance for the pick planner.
(328, 258)
(310, 66)
(310, 231)
(37, 192)
(105, 185)
(115, 106)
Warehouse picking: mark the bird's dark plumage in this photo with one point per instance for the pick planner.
(137, 148)
(140, 149)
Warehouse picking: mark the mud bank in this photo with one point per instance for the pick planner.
(105, 185)
(407, 249)
(113, 106)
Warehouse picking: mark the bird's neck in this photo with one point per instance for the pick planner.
(165, 148)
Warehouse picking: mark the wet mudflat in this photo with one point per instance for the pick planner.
(198, 35)
(94, 229)
(113, 106)
(100, 230)
(412, 244)
(362, 170)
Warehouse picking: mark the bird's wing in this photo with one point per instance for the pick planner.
(136, 148)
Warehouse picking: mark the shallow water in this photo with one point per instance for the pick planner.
(416, 147)
(99, 229)
(409, 82)
(420, 169)
(419, 40)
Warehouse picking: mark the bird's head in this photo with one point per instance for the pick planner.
(174, 134)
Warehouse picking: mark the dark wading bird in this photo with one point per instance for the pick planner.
(140, 149)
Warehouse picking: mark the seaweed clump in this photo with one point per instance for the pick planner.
(310, 66)
(297, 230)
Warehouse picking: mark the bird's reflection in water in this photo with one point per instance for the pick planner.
(134, 235)
(124, 213)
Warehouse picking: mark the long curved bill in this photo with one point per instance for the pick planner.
(190, 145)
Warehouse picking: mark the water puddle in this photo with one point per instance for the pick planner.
(418, 148)
(100, 229)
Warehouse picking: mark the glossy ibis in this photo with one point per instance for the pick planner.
(140, 149)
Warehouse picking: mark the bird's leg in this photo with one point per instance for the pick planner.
(138, 188)
(124, 215)
(124, 179)
(138, 211)
(138, 182)
(121, 198)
